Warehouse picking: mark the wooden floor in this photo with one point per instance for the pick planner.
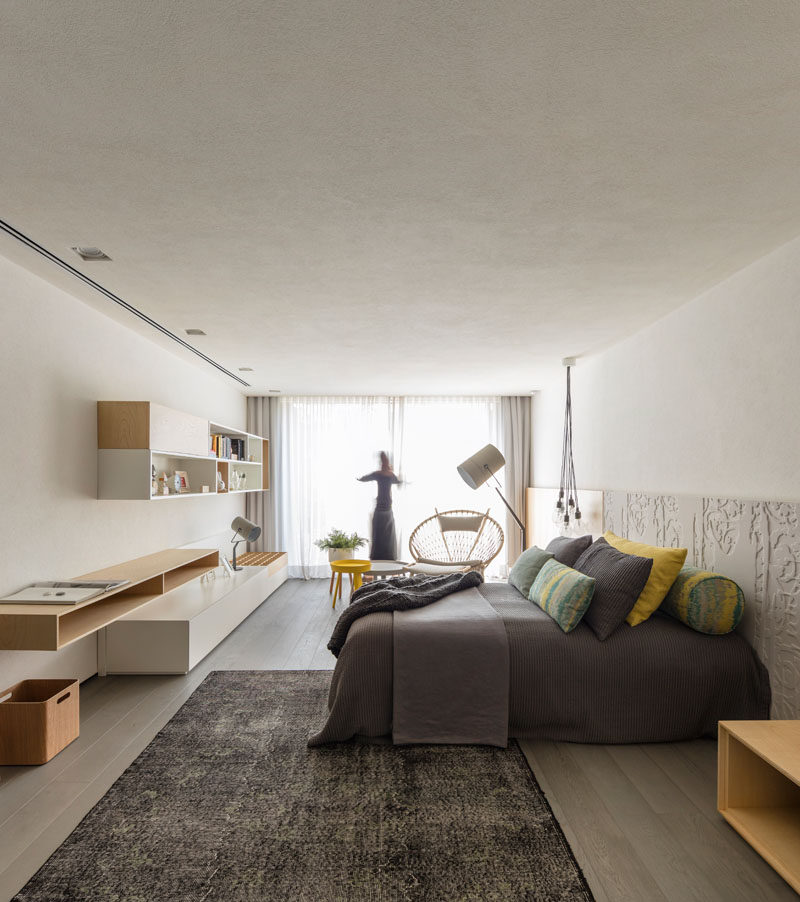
(642, 820)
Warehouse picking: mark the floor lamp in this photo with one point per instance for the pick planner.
(482, 466)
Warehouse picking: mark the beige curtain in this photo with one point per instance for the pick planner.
(516, 475)
(259, 505)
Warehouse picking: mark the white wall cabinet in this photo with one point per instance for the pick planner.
(136, 439)
(176, 631)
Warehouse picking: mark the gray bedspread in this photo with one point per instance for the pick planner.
(451, 673)
(657, 682)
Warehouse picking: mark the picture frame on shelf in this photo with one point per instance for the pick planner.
(182, 482)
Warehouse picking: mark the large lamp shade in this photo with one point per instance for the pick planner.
(245, 530)
(485, 463)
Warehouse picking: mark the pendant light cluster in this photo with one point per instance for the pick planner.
(567, 513)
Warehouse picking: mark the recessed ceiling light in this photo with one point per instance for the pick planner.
(195, 332)
(90, 253)
(245, 369)
(274, 391)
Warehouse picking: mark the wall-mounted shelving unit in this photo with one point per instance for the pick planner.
(46, 627)
(251, 468)
(137, 438)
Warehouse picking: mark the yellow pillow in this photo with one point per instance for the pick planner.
(667, 563)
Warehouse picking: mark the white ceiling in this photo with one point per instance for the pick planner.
(403, 197)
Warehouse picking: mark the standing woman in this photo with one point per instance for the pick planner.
(384, 540)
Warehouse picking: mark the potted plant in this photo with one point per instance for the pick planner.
(339, 545)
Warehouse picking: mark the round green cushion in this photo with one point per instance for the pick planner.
(705, 601)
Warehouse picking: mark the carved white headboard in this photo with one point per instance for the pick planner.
(756, 543)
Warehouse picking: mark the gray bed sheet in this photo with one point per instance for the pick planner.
(657, 682)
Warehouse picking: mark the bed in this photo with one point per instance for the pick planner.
(656, 682)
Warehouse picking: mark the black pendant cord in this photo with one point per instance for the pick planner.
(567, 505)
(562, 487)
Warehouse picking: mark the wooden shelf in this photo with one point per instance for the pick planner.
(759, 789)
(46, 627)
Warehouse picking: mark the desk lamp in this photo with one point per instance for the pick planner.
(243, 531)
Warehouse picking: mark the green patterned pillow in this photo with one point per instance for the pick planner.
(705, 601)
(563, 593)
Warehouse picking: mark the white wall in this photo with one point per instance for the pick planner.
(703, 402)
(58, 357)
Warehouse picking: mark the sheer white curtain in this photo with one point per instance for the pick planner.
(320, 445)
(437, 435)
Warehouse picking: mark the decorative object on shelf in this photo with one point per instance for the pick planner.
(238, 481)
(567, 512)
(163, 488)
(220, 483)
(339, 545)
(153, 480)
(477, 470)
(243, 531)
(182, 481)
(205, 489)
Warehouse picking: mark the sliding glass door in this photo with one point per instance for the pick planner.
(323, 444)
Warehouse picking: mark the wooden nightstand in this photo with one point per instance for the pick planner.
(759, 788)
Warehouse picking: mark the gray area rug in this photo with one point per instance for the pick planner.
(228, 803)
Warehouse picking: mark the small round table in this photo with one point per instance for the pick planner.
(352, 566)
(385, 569)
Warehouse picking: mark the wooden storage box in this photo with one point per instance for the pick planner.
(38, 718)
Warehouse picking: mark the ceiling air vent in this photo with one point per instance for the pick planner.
(195, 332)
(245, 369)
(90, 253)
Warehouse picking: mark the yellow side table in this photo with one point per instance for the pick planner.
(355, 568)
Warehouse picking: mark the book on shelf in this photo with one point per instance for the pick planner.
(223, 446)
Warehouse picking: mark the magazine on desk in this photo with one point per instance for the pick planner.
(63, 591)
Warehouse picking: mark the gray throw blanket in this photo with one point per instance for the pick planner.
(402, 593)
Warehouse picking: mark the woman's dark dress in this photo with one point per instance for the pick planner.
(384, 540)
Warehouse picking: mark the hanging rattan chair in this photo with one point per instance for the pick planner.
(456, 539)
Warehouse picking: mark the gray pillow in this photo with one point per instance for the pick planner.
(619, 581)
(527, 568)
(566, 551)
